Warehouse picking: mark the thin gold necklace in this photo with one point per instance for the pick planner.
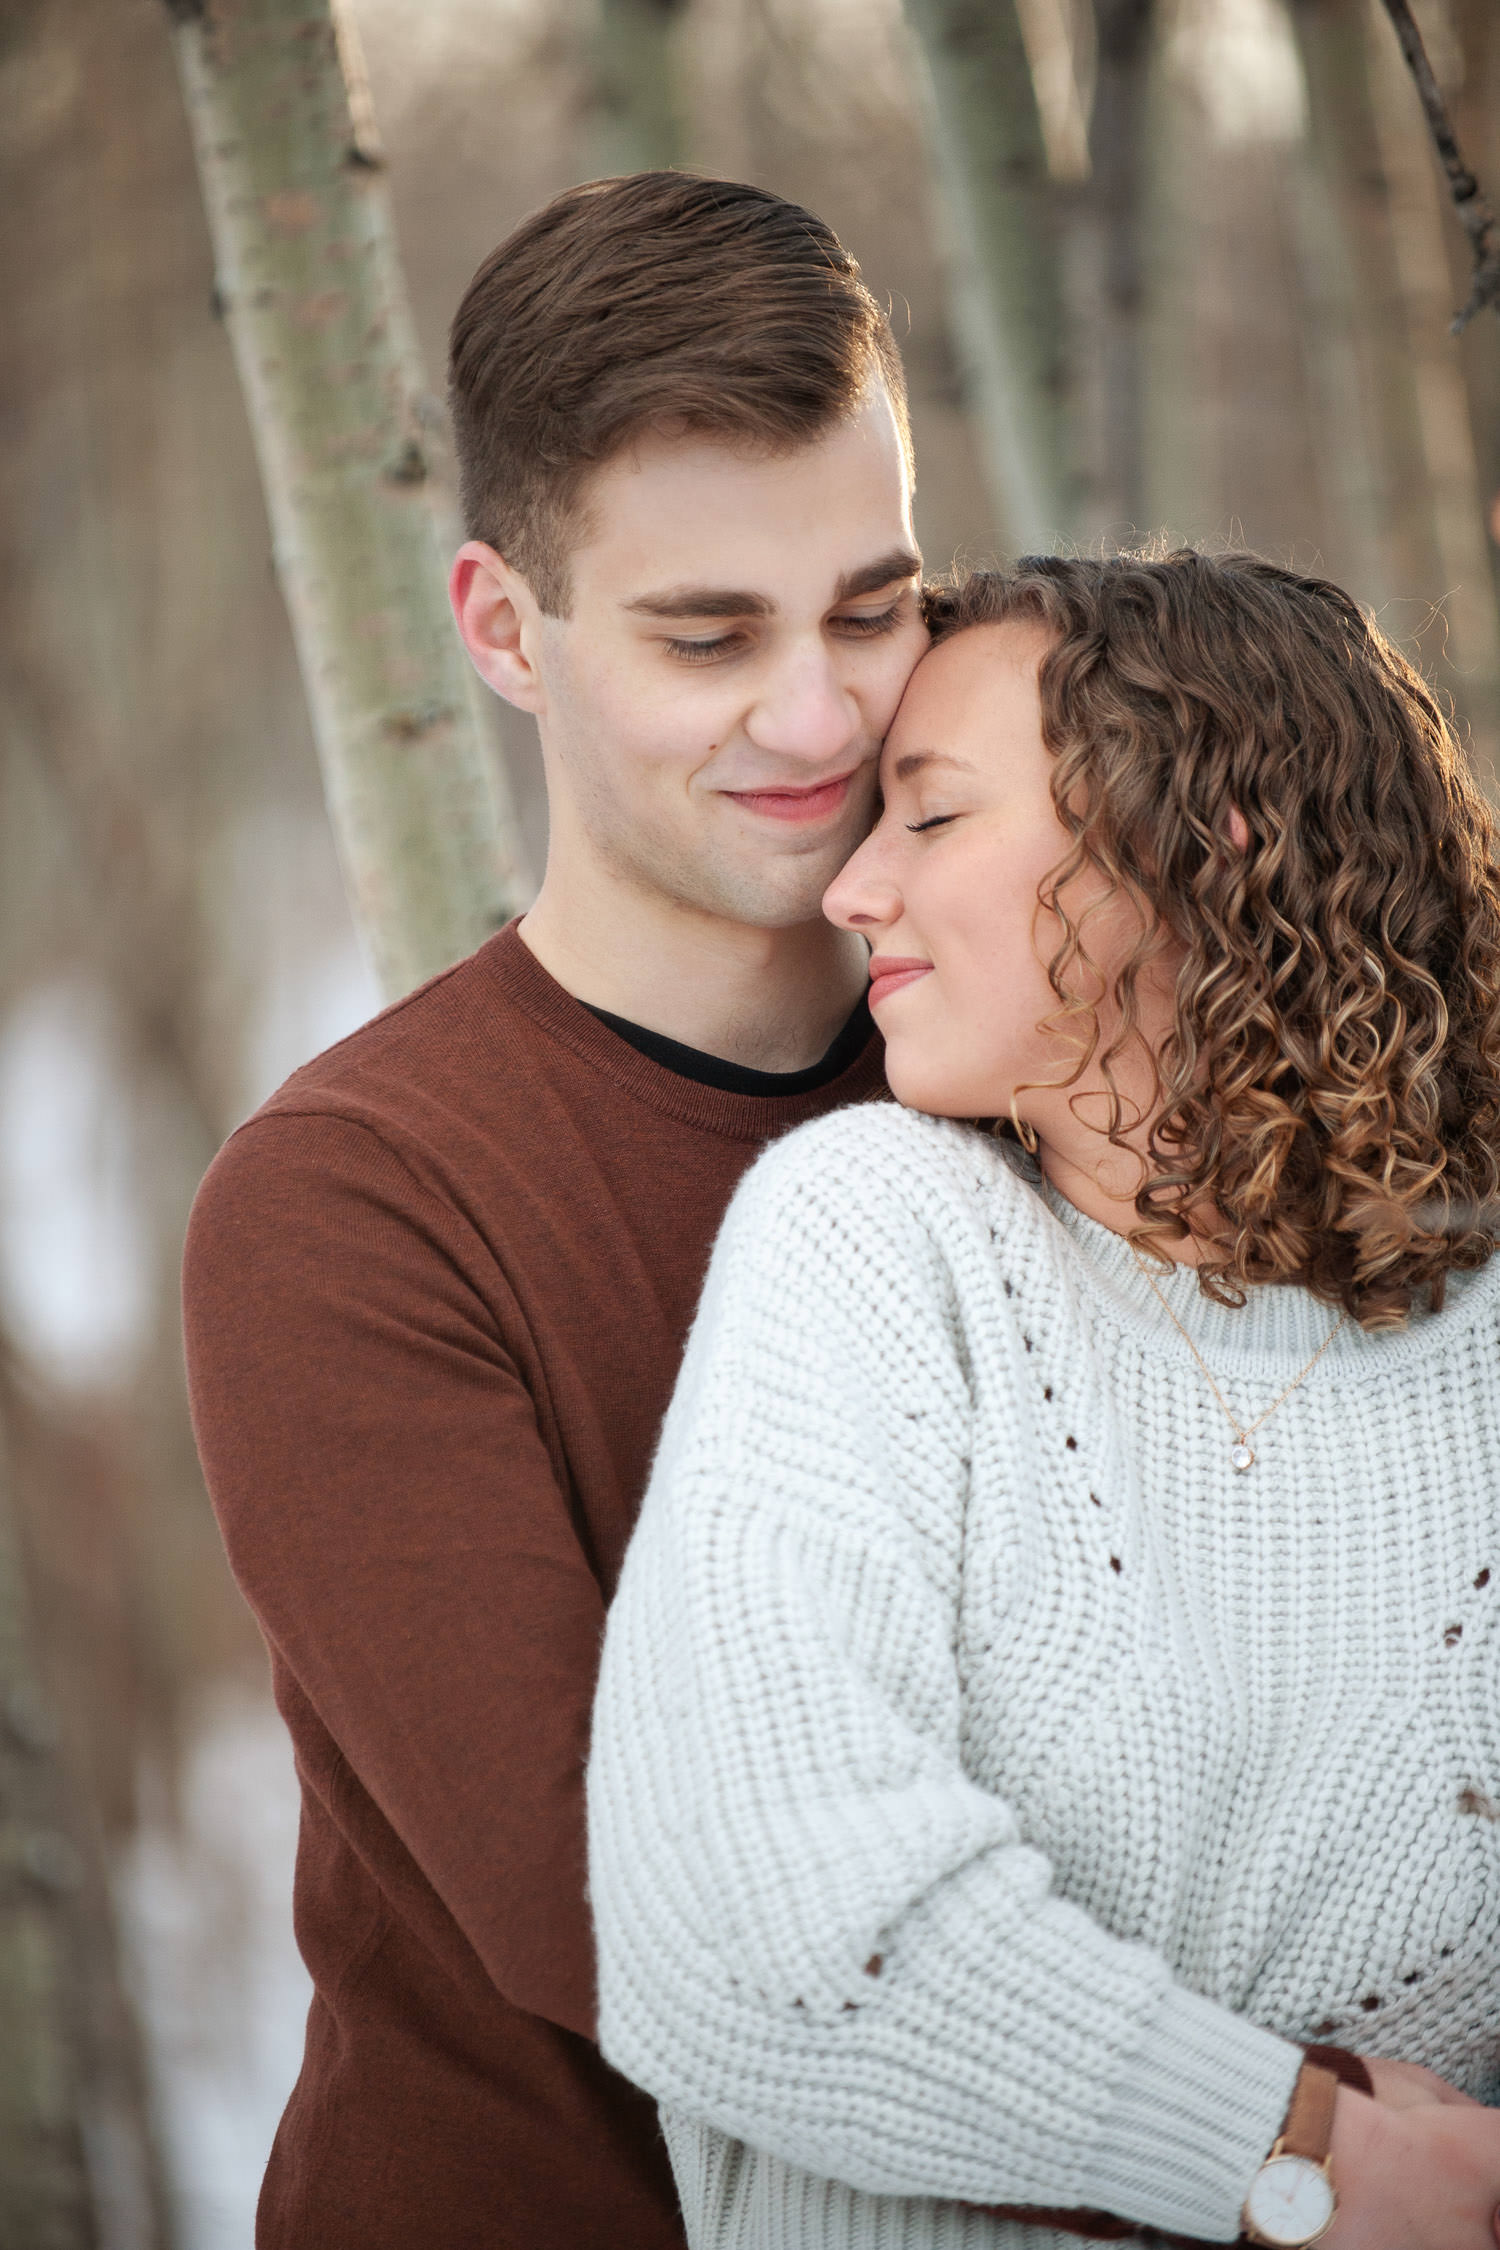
(1241, 1453)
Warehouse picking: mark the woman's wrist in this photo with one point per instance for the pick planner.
(1291, 2201)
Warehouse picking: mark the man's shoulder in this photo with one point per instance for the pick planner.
(430, 1091)
(459, 1026)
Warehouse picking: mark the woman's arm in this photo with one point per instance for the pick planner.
(815, 1932)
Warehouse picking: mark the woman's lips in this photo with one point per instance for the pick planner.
(813, 803)
(888, 975)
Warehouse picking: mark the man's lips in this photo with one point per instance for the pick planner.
(815, 802)
(888, 974)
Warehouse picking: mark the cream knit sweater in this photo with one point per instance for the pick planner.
(988, 1783)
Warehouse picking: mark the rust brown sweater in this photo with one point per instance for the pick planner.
(435, 1296)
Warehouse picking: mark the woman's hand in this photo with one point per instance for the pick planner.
(1407, 2085)
(1415, 2169)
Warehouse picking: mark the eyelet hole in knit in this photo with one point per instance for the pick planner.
(1370, 2002)
(1453, 1636)
(1116, 1565)
(1071, 1444)
(1475, 1801)
(1482, 1580)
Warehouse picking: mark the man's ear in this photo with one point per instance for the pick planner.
(497, 617)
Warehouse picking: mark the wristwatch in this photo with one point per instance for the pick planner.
(1291, 2200)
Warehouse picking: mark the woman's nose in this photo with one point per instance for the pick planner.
(861, 896)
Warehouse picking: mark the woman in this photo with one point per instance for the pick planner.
(1055, 1678)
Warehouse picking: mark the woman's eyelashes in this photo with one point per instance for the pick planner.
(937, 820)
(719, 646)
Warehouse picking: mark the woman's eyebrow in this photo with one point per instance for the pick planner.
(913, 762)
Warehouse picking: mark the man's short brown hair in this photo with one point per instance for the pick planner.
(664, 301)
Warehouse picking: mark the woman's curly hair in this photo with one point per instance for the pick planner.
(1330, 1088)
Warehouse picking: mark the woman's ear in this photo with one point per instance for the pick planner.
(1239, 831)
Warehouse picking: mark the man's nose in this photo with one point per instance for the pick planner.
(803, 712)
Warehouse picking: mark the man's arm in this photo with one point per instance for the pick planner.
(394, 1518)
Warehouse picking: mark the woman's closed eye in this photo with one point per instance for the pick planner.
(937, 820)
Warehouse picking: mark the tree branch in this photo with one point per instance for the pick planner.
(1471, 205)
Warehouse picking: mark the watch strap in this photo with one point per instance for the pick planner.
(1350, 2070)
(1308, 2130)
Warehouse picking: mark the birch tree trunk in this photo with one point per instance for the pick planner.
(1367, 447)
(1114, 204)
(1419, 218)
(990, 157)
(77, 2169)
(310, 285)
(44, 2198)
(1409, 481)
(638, 86)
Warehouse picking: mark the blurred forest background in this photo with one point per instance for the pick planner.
(1181, 266)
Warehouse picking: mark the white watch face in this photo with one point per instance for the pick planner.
(1291, 2201)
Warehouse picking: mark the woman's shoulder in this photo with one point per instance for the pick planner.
(877, 1168)
(880, 1145)
(872, 1213)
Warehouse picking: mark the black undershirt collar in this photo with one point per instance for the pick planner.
(738, 1078)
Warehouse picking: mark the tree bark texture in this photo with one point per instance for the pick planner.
(990, 158)
(310, 285)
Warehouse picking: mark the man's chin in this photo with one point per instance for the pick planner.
(764, 890)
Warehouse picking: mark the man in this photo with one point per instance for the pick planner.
(437, 1289)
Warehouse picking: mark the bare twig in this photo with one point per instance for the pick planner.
(1471, 205)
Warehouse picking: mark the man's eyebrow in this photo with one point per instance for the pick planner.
(734, 601)
(899, 563)
(913, 762)
(700, 601)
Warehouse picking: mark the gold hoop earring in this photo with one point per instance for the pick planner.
(1025, 1134)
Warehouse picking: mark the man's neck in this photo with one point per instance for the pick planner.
(769, 999)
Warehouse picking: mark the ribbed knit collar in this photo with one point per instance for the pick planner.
(738, 1117)
(1274, 1333)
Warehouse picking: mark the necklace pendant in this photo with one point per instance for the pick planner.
(1241, 1458)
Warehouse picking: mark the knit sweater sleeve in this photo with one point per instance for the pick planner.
(815, 1932)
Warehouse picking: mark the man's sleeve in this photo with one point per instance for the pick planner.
(393, 1516)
